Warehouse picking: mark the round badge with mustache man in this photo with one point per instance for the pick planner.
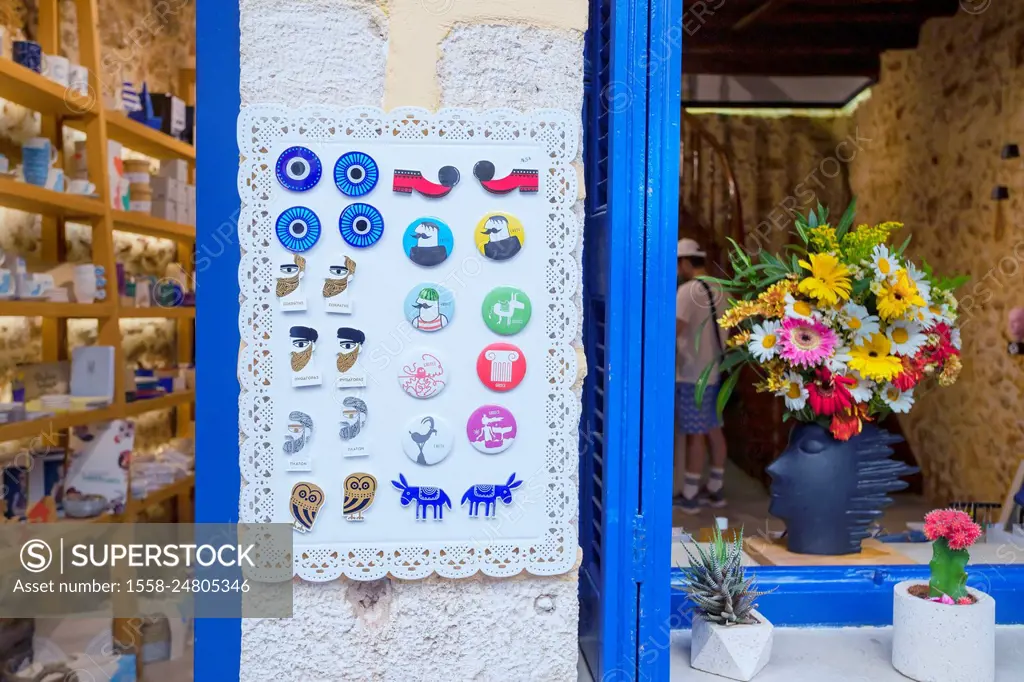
(428, 242)
(298, 433)
(350, 372)
(337, 290)
(289, 284)
(430, 307)
(499, 236)
(304, 370)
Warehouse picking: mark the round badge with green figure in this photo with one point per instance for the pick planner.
(506, 310)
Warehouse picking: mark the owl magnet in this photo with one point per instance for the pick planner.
(424, 497)
(506, 310)
(352, 429)
(289, 285)
(501, 366)
(430, 307)
(337, 296)
(409, 181)
(427, 440)
(350, 372)
(422, 374)
(360, 489)
(306, 502)
(303, 362)
(489, 496)
(491, 429)
(499, 236)
(428, 242)
(297, 437)
(526, 180)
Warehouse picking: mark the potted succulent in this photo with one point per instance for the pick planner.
(845, 329)
(945, 630)
(729, 636)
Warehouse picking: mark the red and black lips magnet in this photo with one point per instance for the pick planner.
(525, 180)
(408, 181)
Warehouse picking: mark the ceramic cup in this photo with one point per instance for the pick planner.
(57, 69)
(78, 79)
(37, 156)
(84, 283)
(5, 164)
(6, 283)
(79, 186)
(55, 179)
(29, 54)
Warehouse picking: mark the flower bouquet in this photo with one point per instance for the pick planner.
(845, 329)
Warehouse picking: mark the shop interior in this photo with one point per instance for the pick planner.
(97, 302)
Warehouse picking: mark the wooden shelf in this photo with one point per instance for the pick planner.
(47, 426)
(169, 313)
(56, 310)
(143, 223)
(33, 199)
(146, 140)
(37, 92)
(138, 407)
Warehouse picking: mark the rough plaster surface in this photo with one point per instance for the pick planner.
(483, 629)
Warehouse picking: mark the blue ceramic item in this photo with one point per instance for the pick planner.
(29, 54)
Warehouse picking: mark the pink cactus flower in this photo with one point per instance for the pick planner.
(964, 601)
(1016, 323)
(944, 599)
(955, 526)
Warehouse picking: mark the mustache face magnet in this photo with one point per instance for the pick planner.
(303, 362)
(289, 284)
(298, 433)
(428, 242)
(499, 236)
(337, 285)
(350, 373)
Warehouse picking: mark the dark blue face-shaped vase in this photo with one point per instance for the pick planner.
(829, 491)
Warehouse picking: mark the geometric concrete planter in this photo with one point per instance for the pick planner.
(738, 651)
(933, 642)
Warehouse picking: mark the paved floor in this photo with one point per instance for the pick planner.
(836, 655)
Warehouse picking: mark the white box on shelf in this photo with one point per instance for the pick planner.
(176, 169)
(164, 188)
(164, 208)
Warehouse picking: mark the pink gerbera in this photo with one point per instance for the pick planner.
(806, 342)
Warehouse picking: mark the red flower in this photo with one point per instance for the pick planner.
(913, 370)
(829, 393)
(845, 424)
(955, 526)
(964, 601)
(940, 347)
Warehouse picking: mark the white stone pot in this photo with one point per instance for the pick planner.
(738, 651)
(933, 642)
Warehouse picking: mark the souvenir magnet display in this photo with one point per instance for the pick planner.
(340, 273)
(499, 236)
(422, 375)
(525, 180)
(306, 502)
(361, 225)
(297, 437)
(506, 310)
(298, 229)
(429, 307)
(425, 497)
(501, 366)
(491, 429)
(298, 169)
(428, 242)
(360, 490)
(488, 496)
(407, 181)
(289, 285)
(303, 361)
(356, 174)
(427, 440)
(354, 440)
(350, 372)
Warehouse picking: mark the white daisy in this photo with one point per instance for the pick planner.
(897, 400)
(885, 264)
(906, 337)
(794, 391)
(764, 340)
(859, 322)
(837, 363)
(863, 389)
(802, 310)
(954, 338)
(924, 287)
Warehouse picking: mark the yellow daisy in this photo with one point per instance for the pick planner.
(898, 296)
(872, 359)
(829, 281)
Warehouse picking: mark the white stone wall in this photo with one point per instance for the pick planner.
(336, 52)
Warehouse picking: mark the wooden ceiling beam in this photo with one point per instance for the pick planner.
(762, 11)
(861, 64)
(856, 37)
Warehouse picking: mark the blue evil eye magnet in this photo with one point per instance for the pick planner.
(424, 497)
(428, 242)
(356, 174)
(298, 229)
(361, 225)
(298, 169)
(489, 495)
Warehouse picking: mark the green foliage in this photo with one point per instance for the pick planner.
(948, 574)
(716, 584)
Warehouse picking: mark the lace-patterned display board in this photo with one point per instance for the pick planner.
(409, 313)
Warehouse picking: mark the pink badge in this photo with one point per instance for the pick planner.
(491, 429)
(422, 374)
(501, 366)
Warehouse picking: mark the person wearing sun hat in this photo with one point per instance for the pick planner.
(699, 343)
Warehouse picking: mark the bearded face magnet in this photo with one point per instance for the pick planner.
(289, 284)
(337, 285)
(352, 429)
(297, 437)
(303, 357)
(350, 371)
